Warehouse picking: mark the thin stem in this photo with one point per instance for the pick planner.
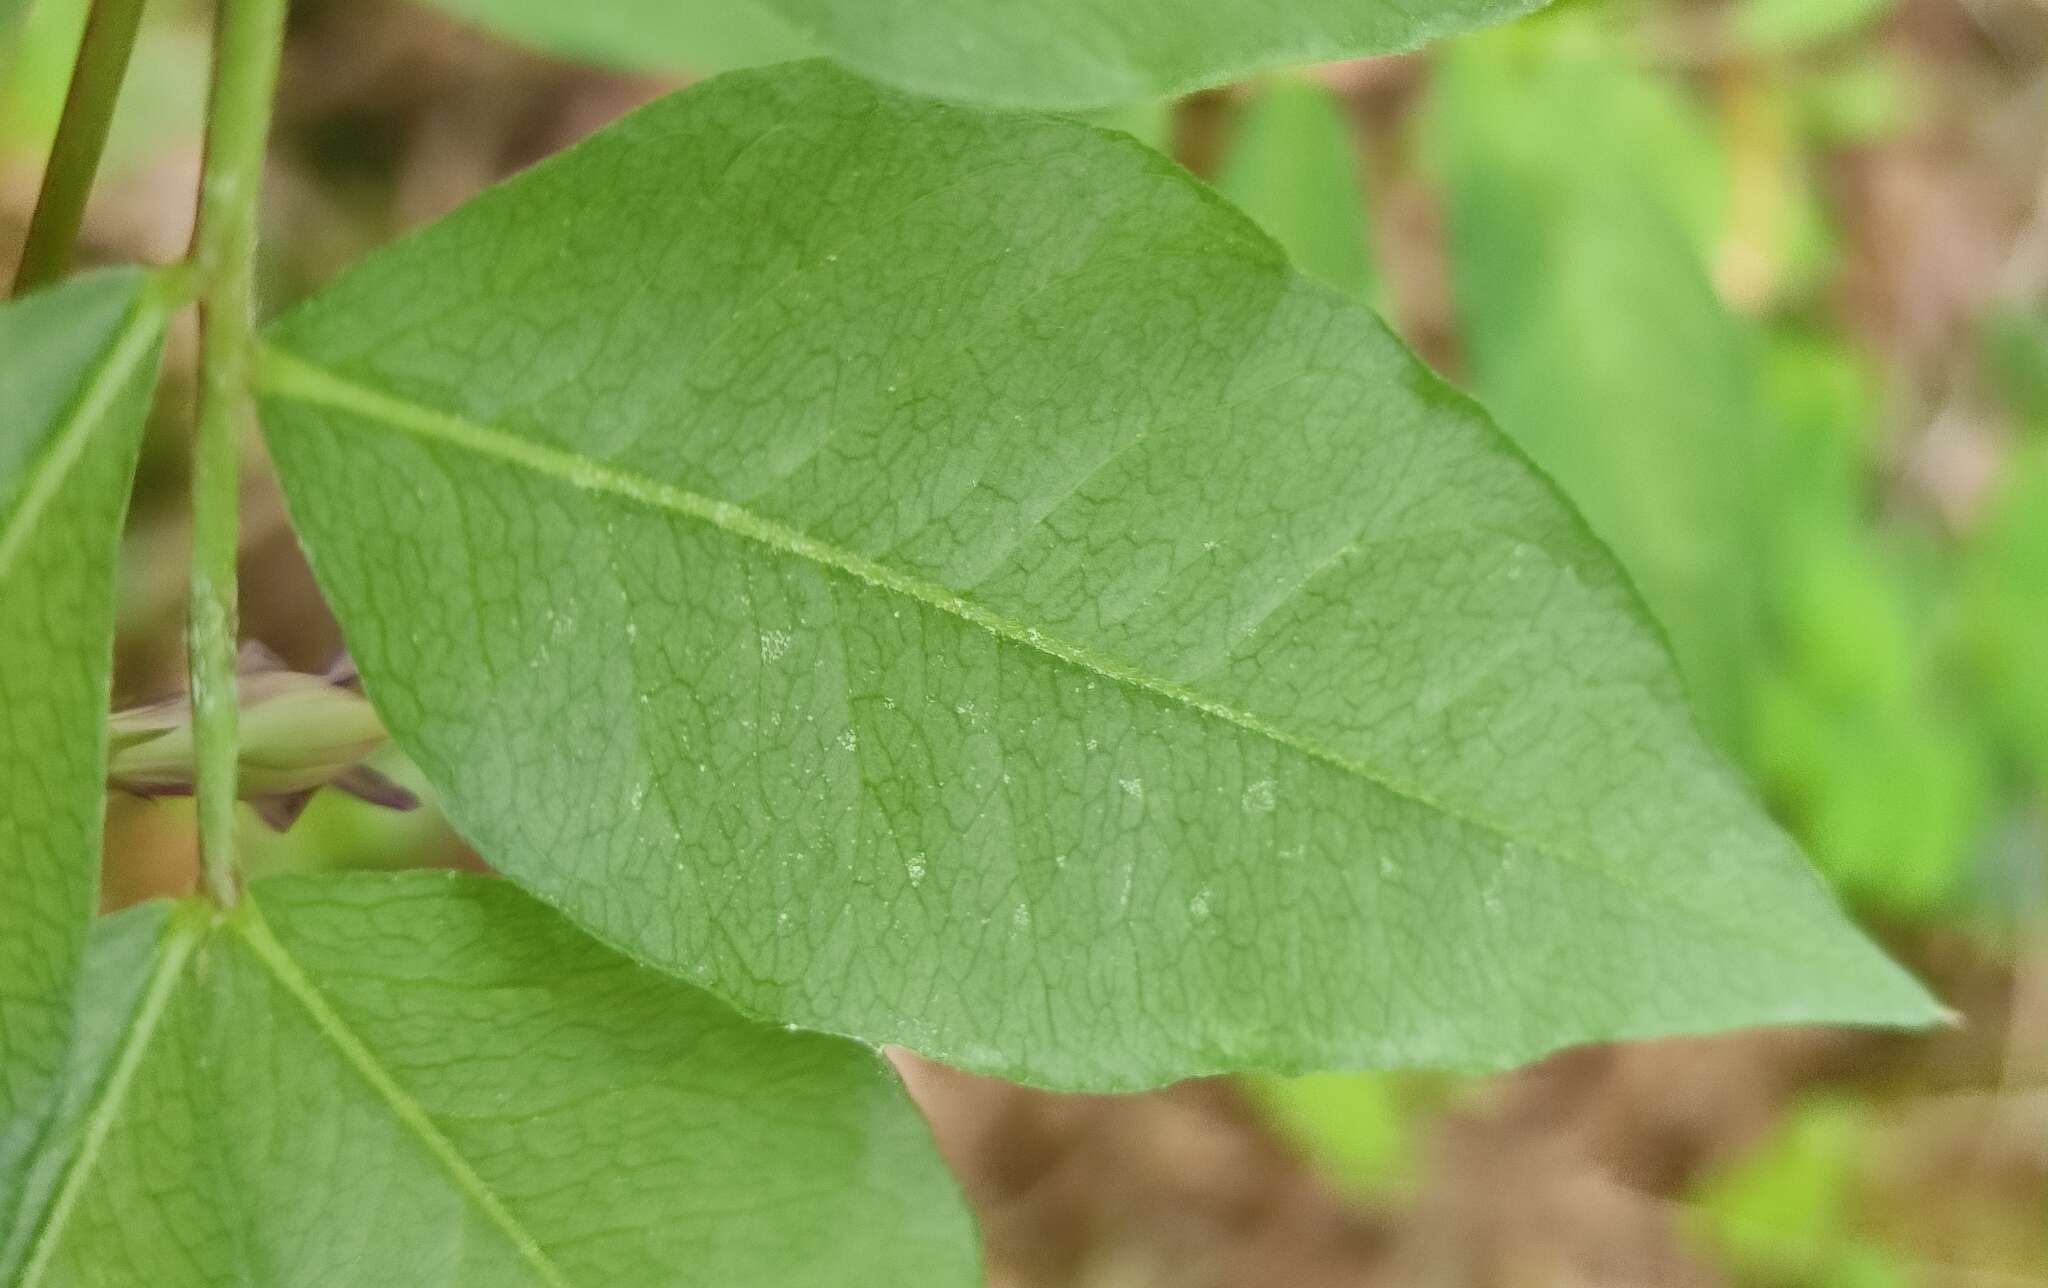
(81, 138)
(248, 40)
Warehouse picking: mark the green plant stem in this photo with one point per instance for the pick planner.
(81, 139)
(248, 41)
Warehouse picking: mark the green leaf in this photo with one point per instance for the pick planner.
(942, 577)
(1068, 54)
(1293, 168)
(1791, 1212)
(2013, 349)
(429, 1078)
(1854, 743)
(693, 35)
(1360, 1130)
(163, 93)
(1854, 736)
(1149, 121)
(1787, 25)
(1591, 330)
(2004, 609)
(76, 367)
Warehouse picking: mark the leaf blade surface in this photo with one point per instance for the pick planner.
(431, 1077)
(76, 366)
(951, 583)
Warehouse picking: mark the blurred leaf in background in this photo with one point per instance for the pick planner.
(1730, 461)
(1789, 1211)
(1292, 165)
(1581, 198)
(2013, 344)
(1605, 219)
(1853, 739)
(1067, 55)
(2005, 610)
(11, 14)
(1601, 215)
(1783, 26)
(1149, 121)
(161, 99)
(1362, 1130)
(650, 34)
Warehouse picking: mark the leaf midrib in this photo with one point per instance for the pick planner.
(167, 966)
(278, 960)
(167, 970)
(285, 374)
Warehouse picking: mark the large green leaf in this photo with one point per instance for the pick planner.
(1051, 53)
(431, 1079)
(76, 365)
(942, 577)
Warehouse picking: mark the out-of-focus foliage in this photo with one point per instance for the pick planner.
(11, 13)
(1360, 1128)
(645, 33)
(1852, 735)
(1149, 121)
(1789, 1210)
(161, 99)
(2005, 613)
(1647, 261)
(1600, 218)
(2015, 356)
(1293, 167)
(1783, 25)
(1062, 54)
(1581, 193)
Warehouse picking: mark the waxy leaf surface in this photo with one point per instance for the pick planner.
(76, 365)
(942, 577)
(1050, 53)
(430, 1079)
